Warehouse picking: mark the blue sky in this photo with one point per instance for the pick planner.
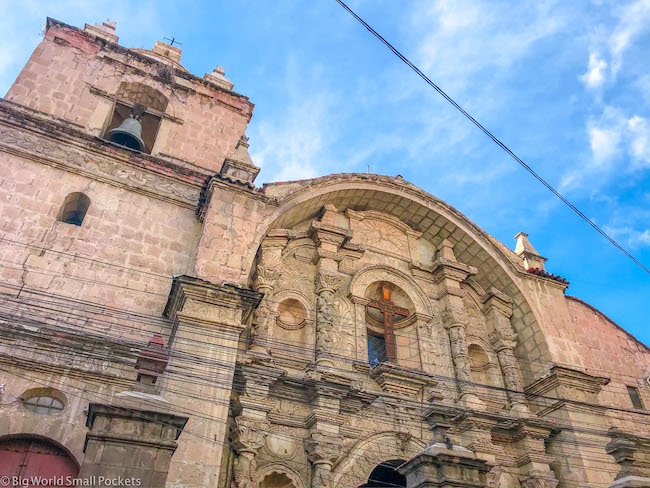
(565, 84)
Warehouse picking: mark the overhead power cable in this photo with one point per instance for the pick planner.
(492, 136)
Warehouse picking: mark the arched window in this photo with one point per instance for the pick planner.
(74, 208)
(386, 475)
(382, 314)
(28, 456)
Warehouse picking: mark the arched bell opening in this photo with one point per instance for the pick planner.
(386, 475)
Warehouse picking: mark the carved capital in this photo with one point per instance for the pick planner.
(327, 282)
(454, 315)
(501, 339)
(324, 448)
(248, 434)
(538, 479)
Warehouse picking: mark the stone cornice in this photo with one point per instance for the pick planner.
(566, 378)
(45, 140)
(207, 303)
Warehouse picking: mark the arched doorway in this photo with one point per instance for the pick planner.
(385, 476)
(27, 457)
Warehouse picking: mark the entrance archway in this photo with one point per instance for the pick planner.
(27, 457)
(385, 475)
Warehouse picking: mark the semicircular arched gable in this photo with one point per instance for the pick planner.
(435, 220)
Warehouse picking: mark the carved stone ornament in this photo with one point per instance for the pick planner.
(324, 448)
(323, 451)
(494, 477)
(454, 315)
(538, 479)
(103, 168)
(327, 282)
(212, 313)
(248, 434)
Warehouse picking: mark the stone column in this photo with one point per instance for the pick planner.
(329, 238)
(498, 310)
(323, 450)
(269, 269)
(130, 443)
(248, 435)
(449, 274)
(568, 448)
(327, 283)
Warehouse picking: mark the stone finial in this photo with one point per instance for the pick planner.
(446, 250)
(524, 249)
(105, 31)
(218, 77)
(168, 51)
(239, 166)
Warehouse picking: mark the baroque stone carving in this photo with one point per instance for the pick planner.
(538, 479)
(326, 285)
(494, 477)
(247, 436)
(383, 236)
(296, 275)
(323, 451)
(98, 166)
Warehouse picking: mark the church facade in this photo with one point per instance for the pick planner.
(166, 321)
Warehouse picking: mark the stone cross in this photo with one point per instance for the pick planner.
(390, 311)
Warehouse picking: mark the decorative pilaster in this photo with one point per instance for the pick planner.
(269, 269)
(449, 274)
(329, 238)
(247, 437)
(632, 453)
(200, 309)
(498, 310)
(323, 450)
(327, 284)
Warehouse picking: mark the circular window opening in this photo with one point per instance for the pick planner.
(478, 358)
(44, 401)
(291, 314)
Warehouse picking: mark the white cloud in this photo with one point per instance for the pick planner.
(604, 143)
(631, 21)
(639, 141)
(619, 147)
(595, 75)
(464, 37)
(634, 238)
(291, 143)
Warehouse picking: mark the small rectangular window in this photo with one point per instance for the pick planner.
(376, 349)
(634, 396)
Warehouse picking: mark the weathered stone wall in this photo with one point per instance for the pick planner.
(123, 255)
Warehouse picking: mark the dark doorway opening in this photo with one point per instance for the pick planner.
(385, 476)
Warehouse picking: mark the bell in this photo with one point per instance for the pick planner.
(128, 134)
